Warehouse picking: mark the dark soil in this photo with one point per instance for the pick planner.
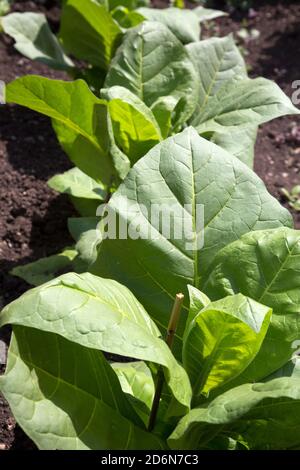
(33, 217)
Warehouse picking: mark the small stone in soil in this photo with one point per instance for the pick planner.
(3, 350)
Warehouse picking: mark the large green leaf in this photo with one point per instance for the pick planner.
(265, 266)
(217, 61)
(79, 119)
(241, 104)
(151, 63)
(35, 40)
(185, 173)
(134, 126)
(267, 416)
(66, 396)
(89, 32)
(184, 24)
(100, 314)
(230, 106)
(222, 340)
(45, 269)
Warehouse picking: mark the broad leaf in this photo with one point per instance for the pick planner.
(151, 63)
(44, 370)
(99, 314)
(265, 266)
(217, 61)
(182, 173)
(45, 269)
(79, 119)
(134, 126)
(222, 340)
(35, 40)
(184, 24)
(231, 106)
(89, 32)
(267, 416)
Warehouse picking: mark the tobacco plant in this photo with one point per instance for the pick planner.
(232, 381)
(154, 87)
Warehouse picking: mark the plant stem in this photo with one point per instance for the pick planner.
(172, 326)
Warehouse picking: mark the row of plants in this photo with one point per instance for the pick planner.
(158, 117)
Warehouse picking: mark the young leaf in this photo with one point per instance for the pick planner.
(198, 300)
(76, 183)
(266, 415)
(35, 40)
(45, 269)
(44, 370)
(265, 266)
(222, 340)
(79, 225)
(136, 380)
(85, 193)
(89, 32)
(151, 63)
(79, 119)
(134, 126)
(184, 24)
(182, 173)
(99, 314)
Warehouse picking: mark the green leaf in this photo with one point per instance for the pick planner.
(244, 102)
(78, 225)
(184, 24)
(183, 173)
(81, 128)
(239, 142)
(100, 314)
(76, 183)
(151, 63)
(205, 14)
(217, 61)
(89, 32)
(45, 269)
(85, 193)
(44, 370)
(222, 340)
(198, 300)
(136, 380)
(290, 369)
(126, 18)
(134, 126)
(265, 266)
(266, 415)
(231, 106)
(35, 40)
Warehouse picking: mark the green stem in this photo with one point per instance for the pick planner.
(173, 322)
